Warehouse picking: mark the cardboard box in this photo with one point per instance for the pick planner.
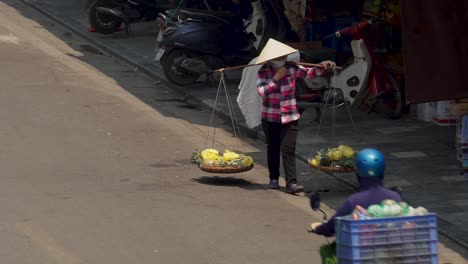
(442, 114)
(425, 112)
(459, 109)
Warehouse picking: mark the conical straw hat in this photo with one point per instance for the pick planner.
(274, 49)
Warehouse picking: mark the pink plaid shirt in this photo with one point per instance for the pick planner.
(279, 98)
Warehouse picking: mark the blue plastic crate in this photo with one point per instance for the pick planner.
(461, 147)
(387, 240)
(462, 130)
(463, 162)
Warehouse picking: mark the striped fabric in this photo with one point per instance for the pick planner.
(279, 100)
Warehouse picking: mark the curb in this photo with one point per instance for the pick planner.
(153, 75)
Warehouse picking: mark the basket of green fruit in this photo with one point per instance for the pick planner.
(210, 160)
(336, 160)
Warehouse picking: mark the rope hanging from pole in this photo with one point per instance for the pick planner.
(210, 138)
(230, 161)
(328, 166)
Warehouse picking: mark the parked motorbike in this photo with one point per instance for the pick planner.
(206, 40)
(107, 16)
(365, 82)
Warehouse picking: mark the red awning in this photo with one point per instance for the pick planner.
(435, 47)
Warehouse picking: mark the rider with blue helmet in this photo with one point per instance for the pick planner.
(370, 168)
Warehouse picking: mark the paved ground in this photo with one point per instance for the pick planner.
(431, 172)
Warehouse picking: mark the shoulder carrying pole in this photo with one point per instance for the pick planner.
(250, 65)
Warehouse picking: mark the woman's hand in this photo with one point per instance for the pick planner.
(328, 64)
(314, 225)
(280, 73)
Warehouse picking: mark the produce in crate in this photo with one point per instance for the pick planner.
(387, 208)
(360, 213)
(341, 157)
(212, 160)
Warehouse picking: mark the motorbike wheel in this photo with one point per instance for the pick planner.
(171, 67)
(390, 103)
(103, 23)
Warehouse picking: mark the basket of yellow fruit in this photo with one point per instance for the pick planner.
(210, 160)
(336, 160)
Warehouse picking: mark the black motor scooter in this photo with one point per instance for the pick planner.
(106, 16)
(206, 40)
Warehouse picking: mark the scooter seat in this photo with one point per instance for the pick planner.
(146, 3)
(228, 18)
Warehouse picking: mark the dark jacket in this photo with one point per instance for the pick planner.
(370, 192)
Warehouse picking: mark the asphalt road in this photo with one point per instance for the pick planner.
(91, 174)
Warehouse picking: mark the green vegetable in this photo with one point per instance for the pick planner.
(328, 254)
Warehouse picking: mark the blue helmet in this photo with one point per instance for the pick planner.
(370, 163)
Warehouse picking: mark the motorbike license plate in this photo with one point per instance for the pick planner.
(159, 54)
(159, 51)
(160, 36)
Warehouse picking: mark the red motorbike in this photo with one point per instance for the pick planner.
(365, 83)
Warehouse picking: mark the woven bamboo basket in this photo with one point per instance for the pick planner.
(329, 169)
(228, 169)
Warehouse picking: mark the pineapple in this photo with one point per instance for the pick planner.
(325, 161)
(196, 158)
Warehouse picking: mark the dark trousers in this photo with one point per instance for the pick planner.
(281, 138)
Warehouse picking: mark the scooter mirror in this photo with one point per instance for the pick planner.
(161, 15)
(314, 199)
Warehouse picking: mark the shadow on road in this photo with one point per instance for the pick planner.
(155, 93)
(229, 181)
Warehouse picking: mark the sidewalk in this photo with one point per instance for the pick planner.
(421, 156)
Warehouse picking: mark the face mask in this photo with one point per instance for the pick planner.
(277, 64)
